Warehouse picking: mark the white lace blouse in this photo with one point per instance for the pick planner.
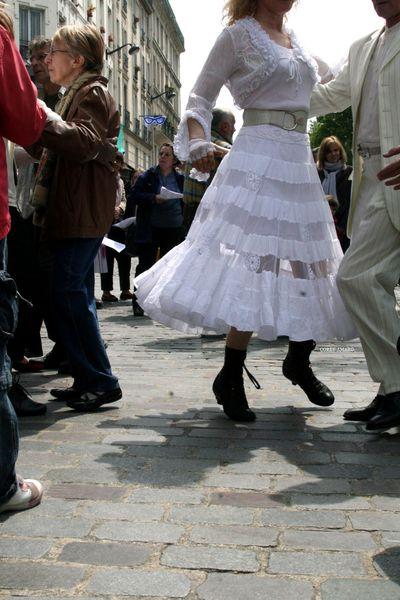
(258, 72)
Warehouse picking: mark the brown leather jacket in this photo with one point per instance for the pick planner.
(83, 190)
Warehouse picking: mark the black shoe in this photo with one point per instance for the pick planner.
(296, 367)
(23, 403)
(137, 310)
(91, 401)
(387, 415)
(228, 387)
(364, 414)
(99, 304)
(64, 394)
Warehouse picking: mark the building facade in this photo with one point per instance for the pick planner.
(145, 81)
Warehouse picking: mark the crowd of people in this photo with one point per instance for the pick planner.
(233, 237)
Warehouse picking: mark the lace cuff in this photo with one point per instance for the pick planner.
(198, 108)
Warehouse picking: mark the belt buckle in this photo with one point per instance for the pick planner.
(294, 124)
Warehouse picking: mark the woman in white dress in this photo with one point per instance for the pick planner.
(262, 253)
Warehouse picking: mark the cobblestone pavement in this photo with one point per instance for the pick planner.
(161, 496)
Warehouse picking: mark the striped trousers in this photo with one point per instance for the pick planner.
(368, 274)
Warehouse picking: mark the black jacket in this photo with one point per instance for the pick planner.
(142, 197)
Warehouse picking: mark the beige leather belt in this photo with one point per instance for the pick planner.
(291, 121)
(368, 151)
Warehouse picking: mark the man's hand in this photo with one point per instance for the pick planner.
(160, 199)
(391, 174)
(118, 212)
(107, 154)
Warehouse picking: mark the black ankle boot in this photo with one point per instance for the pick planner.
(297, 368)
(228, 386)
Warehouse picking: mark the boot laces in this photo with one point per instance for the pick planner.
(252, 378)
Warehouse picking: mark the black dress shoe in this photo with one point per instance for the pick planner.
(364, 414)
(91, 401)
(137, 310)
(23, 403)
(387, 415)
(64, 394)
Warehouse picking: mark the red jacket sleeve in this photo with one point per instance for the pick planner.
(21, 118)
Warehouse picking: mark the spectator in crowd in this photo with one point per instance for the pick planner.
(21, 121)
(123, 259)
(74, 200)
(335, 174)
(158, 220)
(222, 130)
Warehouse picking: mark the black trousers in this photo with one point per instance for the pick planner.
(163, 240)
(123, 261)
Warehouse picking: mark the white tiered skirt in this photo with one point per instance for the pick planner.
(262, 253)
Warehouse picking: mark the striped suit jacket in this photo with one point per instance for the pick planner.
(346, 89)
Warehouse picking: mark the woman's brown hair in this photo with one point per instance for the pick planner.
(238, 9)
(86, 41)
(6, 20)
(324, 150)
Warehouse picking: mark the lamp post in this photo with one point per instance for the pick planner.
(169, 93)
(131, 50)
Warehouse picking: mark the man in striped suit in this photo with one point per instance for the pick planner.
(370, 83)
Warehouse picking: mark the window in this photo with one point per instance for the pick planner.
(31, 25)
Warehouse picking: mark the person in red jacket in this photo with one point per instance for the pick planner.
(21, 120)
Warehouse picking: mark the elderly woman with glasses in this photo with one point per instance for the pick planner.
(74, 200)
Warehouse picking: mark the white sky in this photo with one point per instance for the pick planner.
(326, 27)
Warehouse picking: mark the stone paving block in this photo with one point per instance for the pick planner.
(245, 482)
(56, 507)
(330, 501)
(273, 468)
(328, 540)
(308, 485)
(375, 521)
(377, 487)
(122, 511)
(167, 495)
(217, 559)
(139, 532)
(86, 492)
(352, 589)
(36, 576)
(323, 519)
(27, 524)
(221, 586)
(226, 515)
(126, 582)
(316, 563)
(240, 535)
(84, 475)
(387, 563)
(249, 499)
(106, 554)
(24, 548)
(390, 539)
(386, 502)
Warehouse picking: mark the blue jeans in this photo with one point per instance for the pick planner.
(76, 316)
(8, 419)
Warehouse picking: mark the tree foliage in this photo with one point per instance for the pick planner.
(338, 124)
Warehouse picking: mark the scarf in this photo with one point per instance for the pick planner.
(330, 172)
(46, 168)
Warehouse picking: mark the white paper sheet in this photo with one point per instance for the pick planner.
(125, 223)
(114, 245)
(169, 194)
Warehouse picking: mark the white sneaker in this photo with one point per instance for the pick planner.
(28, 495)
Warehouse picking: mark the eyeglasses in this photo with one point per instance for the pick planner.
(165, 155)
(54, 50)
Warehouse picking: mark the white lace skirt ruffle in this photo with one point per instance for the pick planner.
(262, 253)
